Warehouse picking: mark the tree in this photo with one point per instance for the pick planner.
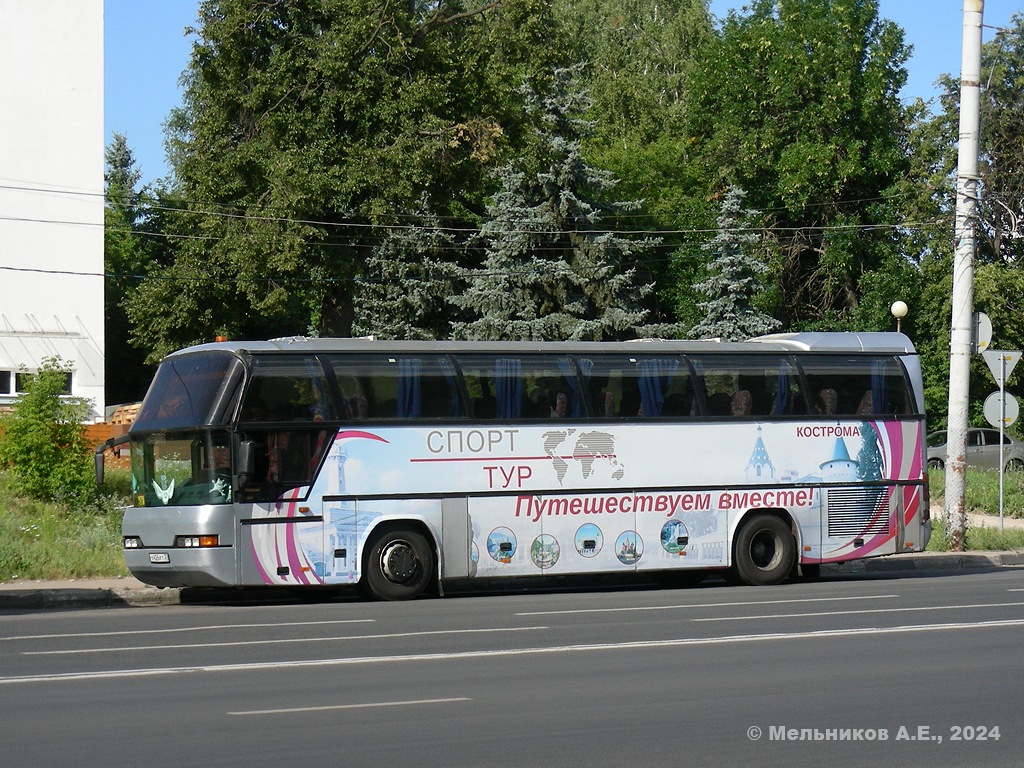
(1002, 118)
(930, 188)
(409, 278)
(733, 277)
(126, 255)
(305, 125)
(638, 55)
(43, 440)
(551, 271)
(797, 102)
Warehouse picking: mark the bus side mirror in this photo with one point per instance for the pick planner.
(246, 462)
(101, 449)
(98, 459)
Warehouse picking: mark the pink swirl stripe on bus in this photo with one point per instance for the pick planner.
(357, 433)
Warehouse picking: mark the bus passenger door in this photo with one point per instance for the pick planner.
(281, 545)
(342, 536)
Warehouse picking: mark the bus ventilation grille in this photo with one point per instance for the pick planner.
(857, 512)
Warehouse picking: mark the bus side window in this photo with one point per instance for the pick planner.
(522, 387)
(848, 386)
(754, 385)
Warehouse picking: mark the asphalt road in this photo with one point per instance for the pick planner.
(918, 670)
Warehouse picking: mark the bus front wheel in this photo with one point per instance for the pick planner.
(765, 551)
(399, 565)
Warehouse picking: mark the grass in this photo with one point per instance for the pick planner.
(982, 497)
(41, 540)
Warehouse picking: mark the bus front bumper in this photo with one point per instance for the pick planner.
(183, 567)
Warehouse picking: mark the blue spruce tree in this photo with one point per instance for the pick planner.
(733, 278)
(408, 279)
(551, 269)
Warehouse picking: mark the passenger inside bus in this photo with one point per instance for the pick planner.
(827, 402)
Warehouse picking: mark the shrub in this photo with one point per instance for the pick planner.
(43, 443)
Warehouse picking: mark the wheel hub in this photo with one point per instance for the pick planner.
(764, 550)
(398, 562)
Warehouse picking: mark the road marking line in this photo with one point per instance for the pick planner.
(866, 610)
(370, 705)
(203, 628)
(706, 605)
(281, 641)
(116, 674)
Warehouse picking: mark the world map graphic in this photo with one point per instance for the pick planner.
(586, 449)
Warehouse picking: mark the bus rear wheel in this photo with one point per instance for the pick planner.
(765, 551)
(399, 565)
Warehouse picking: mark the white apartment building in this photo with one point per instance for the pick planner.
(51, 192)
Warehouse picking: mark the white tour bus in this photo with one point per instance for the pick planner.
(403, 465)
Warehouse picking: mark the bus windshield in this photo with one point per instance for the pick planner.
(191, 391)
(185, 468)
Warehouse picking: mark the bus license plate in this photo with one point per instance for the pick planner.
(159, 557)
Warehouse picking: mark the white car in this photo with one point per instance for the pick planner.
(982, 450)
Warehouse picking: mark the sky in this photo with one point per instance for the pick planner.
(146, 50)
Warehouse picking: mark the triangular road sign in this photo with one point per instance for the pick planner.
(1001, 362)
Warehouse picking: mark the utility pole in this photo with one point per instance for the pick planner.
(960, 341)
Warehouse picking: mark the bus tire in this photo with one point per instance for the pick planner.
(765, 551)
(399, 564)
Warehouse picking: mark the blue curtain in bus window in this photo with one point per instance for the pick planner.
(782, 390)
(409, 405)
(878, 393)
(455, 410)
(569, 374)
(586, 367)
(655, 376)
(508, 387)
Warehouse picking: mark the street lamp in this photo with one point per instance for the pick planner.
(899, 310)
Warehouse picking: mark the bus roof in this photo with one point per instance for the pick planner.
(889, 343)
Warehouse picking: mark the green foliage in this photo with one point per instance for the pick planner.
(126, 254)
(305, 127)
(797, 102)
(43, 442)
(333, 161)
(1002, 115)
(982, 498)
(638, 56)
(979, 538)
(44, 540)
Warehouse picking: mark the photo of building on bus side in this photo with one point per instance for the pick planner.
(400, 465)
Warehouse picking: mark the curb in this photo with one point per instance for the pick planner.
(928, 561)
(95, 597)
(63, 597)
